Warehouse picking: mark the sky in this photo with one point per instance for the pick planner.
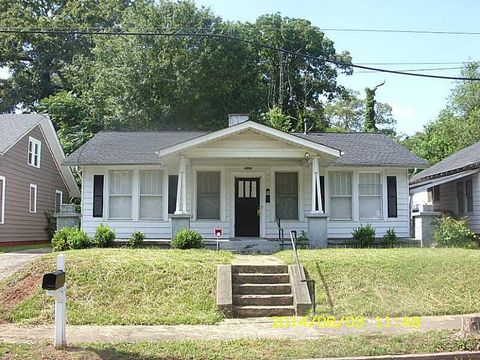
(415, 101)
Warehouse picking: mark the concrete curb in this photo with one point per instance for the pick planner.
(437, 356)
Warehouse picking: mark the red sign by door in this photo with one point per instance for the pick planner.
(218, 232)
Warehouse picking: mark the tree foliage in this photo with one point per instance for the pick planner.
(89, 83)
(458, 124)
(347, 113)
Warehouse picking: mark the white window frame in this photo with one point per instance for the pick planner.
(353, 196)
(468, 212)
(274, 188)
(162, 195)
(32, 141)
(61, 199)
(32, 186)
(3, 190)
(381, 196)
(221, 195)
(133, 193)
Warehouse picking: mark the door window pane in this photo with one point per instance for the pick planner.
(120, 191)
(286, 195)
(208, 195)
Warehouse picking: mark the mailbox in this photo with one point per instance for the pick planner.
(54, 280)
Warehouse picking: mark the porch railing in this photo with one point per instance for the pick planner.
(310, 282)
(280, 233)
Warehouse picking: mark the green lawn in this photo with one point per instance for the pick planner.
(433, 341)
(121, 286)
(6, 249)
(393, 282)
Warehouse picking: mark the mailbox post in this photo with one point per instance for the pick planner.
(218, 235)
(55, 285)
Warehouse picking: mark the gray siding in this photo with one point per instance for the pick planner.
(20, 224)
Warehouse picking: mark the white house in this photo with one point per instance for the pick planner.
(451, 186)
(242, 178)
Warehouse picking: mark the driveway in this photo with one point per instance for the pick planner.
(12, 261)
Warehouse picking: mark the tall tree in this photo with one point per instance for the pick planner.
(370, 125)
(458, 124)
(36, 61)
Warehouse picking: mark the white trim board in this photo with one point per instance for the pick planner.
(250, 125)
(3, 190)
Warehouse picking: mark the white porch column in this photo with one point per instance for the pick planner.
(317, 219)
(316, 188)
(181, 205)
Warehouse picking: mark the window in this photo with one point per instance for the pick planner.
(151, 194)
(32, 207)
(341, 195)
(58, 200)
(172, 193)
(436, 193)
(370, 195)
(208, 195)
(286, 195)
(2, 199)
(120, 194)
(469, 195)
(460, 198)
(34, 151)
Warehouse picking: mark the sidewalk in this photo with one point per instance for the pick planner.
(227, 329)
(12, 261)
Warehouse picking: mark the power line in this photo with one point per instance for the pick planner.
(418, 63)
(429, 32)
(211, 34)
(428, 69)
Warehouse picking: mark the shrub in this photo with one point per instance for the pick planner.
(390, 239)
(104, 236)
(51, 225)
(70, 238)
(188, 239)
(303, 242)
(136, 240)
(364, 236)
(450, 232)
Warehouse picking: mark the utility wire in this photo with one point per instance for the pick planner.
(211, 34)
(429, 69)
(430, 32)
(418, 63)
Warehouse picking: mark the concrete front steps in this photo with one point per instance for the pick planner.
(261, 290)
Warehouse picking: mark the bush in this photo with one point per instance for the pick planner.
(188, 239)
(364, 236)
(104, 236)
(303, 242)
(390, 239)
(136, 240)
(450, 232)
(70, 238)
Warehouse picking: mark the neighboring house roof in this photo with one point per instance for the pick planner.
(352, 149)
(13, 127)
(466, 159)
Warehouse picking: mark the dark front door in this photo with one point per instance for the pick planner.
(247, 207)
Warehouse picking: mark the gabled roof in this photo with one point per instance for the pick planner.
(356, 149)
(468, 158)
(13, 127)
(367, 149)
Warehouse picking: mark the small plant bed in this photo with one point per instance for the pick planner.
(120, 287)
(393, 282)
(249, 349)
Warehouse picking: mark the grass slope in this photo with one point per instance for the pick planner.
(393, 282)
(122, 286)
(430, 342)
(7, 249)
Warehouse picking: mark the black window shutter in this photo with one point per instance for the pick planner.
(172, 193)
(392, 196)
(97, 195)
(322, 190)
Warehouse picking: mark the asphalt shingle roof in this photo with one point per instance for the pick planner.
(360, 149)
(468, 158)
(14, 126)
(367, 149)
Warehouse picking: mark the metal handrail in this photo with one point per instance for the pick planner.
(310, 282)
(280, 232)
